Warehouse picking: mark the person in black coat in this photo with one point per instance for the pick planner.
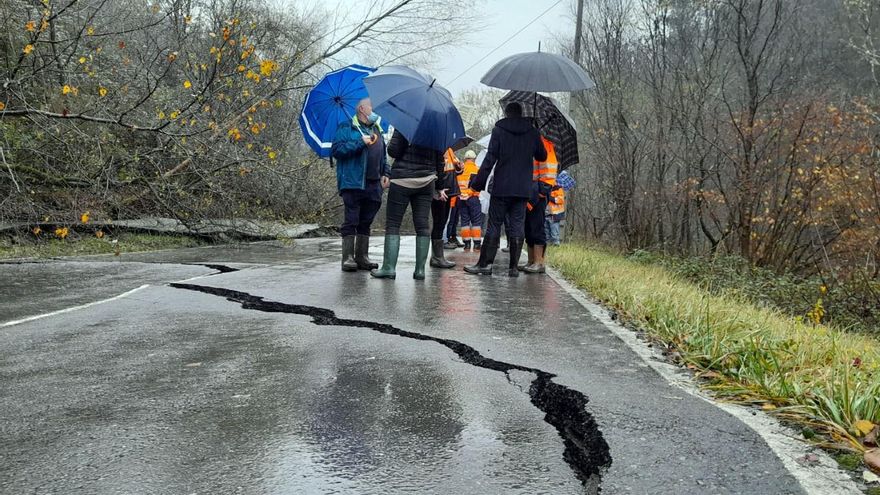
(513, 148)
(414, 180)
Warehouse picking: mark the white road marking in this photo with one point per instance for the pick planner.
(71, 309)
(822, 478)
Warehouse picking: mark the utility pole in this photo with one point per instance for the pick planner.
(578, 32)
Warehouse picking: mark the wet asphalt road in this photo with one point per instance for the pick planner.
(288, 376)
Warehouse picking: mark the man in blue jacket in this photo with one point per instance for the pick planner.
(513, 148)
(359, 150)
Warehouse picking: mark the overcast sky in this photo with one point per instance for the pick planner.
(495, 22)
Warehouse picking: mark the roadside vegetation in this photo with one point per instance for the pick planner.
(52, 245)
(800, 369)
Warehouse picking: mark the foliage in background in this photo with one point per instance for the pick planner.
(182, 108)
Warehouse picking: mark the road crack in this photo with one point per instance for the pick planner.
(586, 451)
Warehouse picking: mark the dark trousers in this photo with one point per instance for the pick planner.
(439, 216)
(399, 198)
(361, 206)
(471, 212)
(535, 233)
(507, 211)
(452, 227)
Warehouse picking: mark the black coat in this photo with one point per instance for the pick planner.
(411, 161)
(513, 148)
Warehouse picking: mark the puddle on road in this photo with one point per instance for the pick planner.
(586, 451)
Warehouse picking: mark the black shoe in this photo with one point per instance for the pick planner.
(478, 245)
(457, 242)
(348, 262)
(451, 243)
(467, 245)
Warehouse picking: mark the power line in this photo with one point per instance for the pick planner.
(514, 35)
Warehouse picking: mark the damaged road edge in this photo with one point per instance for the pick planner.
(586, 451)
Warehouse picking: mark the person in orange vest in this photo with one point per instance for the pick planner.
(470, 209)
(554, 216)
(440, 208)
(543, 183)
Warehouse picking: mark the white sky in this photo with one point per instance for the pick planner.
(493, 22)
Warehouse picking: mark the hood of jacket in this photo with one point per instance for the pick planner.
(515, 125)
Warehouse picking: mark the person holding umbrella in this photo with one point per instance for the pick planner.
(440, 209)
(359, 150)
(426, 124)
(514, 146)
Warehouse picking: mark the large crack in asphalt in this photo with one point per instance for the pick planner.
(586, 451)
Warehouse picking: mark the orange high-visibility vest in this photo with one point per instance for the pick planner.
(464, 178)
(546, 171)
(451, 160)
(556, 205)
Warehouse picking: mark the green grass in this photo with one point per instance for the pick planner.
(50, 247)
(757, 355)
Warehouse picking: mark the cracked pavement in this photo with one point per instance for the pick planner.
(284, 375)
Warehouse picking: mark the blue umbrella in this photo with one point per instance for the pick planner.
(417, 107)
(331, 102)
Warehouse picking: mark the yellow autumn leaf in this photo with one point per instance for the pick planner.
(161, 115)
(37, 230)
(272, 155)
(174, 115)
(61, 232)
(863, 426)
(242, 68)
(30, 27)
(187, 19)
(2, 106)
(99, 234)
(255, 129)
(187, 84)
(90, 31)
(84, 218)
(267, 67)
(44, 25)
(82, 60)
(768, 407)
(66, 90)
(28, 49)
(102, 92)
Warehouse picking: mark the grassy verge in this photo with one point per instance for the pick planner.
(35, 247)
(823, 378)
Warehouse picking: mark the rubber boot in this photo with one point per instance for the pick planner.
(487, 257)
(531, 258)
(516, 244)
(478, 245)
(423, 245)
(348, 262)
(538, 265)
(451, 243)
(362, 253)
(467, 245)
(389, 259)
(438, 259)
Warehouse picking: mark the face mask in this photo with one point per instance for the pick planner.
(373, 118)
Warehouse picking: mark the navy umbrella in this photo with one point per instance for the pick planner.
(331, 102)
(416, 106)
(537, 71)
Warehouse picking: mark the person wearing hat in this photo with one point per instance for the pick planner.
(470, 210)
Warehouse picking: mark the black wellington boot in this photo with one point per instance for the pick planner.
(516, 244)
(438, 259)
(487, 257)
(348, 262)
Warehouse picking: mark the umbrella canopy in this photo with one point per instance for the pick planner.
(537, 71)
(331, 102)
(553, 123)
(462, 143)
(417, 107)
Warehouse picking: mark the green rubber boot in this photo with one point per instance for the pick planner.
(423, 244)
(389, 260)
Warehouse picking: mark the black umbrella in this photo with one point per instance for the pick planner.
(554, 124)
(537, 71)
